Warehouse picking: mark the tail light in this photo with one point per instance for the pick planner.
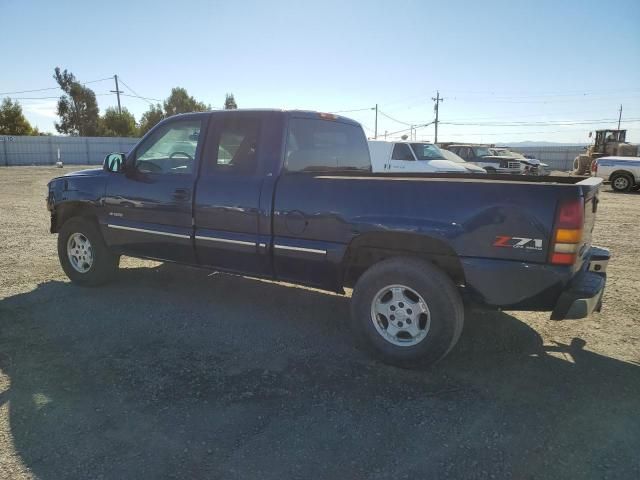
(594, 167)
(567, 232)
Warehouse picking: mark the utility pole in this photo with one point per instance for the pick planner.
(117, 92)
(436, 108)
(375, 137)
(619, 116)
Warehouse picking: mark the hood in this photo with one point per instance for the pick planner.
(447, 166)
(473, 168)
(500, 157)
(88, 172)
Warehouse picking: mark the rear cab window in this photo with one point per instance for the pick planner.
(315, 145)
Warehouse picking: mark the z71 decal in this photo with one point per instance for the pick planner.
(518, 242)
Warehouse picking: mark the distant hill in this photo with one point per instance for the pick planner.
(529, 143)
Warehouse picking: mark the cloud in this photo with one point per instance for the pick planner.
(43, 108)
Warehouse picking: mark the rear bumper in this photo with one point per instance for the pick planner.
(538, 287)
(584, 293)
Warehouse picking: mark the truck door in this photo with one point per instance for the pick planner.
(402, 159)
(232, 226)
(149, 207)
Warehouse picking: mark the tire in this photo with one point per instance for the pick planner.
(582, 165)
(621, 182)
(439, 327)
(635, 188)
(490, 171)
(84, 256)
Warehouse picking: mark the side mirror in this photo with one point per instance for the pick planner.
(114, 162)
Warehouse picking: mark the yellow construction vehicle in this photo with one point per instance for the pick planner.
(608, 143)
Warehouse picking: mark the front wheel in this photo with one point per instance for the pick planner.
(84, 256)
(407, 312)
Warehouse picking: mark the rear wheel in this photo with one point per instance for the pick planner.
(621, 182)
(84, 256)
(406, 312)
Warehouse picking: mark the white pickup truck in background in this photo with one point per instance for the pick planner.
(622, 172)
(414, 157)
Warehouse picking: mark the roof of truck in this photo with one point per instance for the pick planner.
(312, 114)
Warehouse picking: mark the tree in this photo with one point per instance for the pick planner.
(230, 102)
(114, 124)
(150, 118)
(181, 102)
(12, 120)
(77, 109)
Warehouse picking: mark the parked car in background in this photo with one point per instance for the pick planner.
(409, 157)
(533, 166)
(622, 172)
(482, 156)
(530, 164)
(452, 157)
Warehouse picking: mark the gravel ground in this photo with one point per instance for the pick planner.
(176, 373)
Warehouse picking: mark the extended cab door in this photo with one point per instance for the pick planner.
(310, 235)
(232, 209)
(149, 206)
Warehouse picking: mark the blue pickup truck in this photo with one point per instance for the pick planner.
(289, 195)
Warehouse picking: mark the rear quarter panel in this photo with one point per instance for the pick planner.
(468, 215)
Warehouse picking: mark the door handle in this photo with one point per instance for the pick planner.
(181, 194)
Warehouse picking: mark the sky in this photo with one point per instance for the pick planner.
(508, 71)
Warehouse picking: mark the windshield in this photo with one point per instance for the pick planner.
(504, 152)
(427, 151)
(482, 151)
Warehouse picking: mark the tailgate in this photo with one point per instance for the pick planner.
(590, 190)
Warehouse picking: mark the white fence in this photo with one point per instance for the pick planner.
(557, 157)
(24, 150)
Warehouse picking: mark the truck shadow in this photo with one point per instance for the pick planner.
(174, 373)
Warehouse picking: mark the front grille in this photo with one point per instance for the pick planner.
(513, 165)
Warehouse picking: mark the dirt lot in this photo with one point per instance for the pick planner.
(175, 373)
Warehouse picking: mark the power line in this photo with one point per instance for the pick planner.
(532, 124)
(551, 94)
(135, 94)
(339, 111)
(412, 127)
(394, 119)
(46, 98)
(143, 98)
(543, 101)
(53, 88)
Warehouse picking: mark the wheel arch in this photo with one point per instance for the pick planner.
(67, 210)
(626, 173)
(371, 248)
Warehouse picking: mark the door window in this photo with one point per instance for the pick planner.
(464, 153)
(237, 147)
(170, 149)
(401, 151)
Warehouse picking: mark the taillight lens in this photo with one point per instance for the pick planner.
(567, 232)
